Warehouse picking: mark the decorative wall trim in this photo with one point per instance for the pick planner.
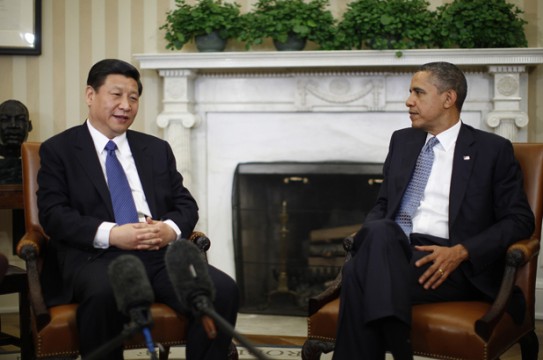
(338, 59)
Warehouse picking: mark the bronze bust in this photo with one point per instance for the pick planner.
(15, 125)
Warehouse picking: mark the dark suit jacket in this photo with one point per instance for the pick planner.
(73, 200)
(488, 209)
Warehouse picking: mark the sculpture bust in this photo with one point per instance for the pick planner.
(14, 128)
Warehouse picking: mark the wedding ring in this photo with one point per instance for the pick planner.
(441, 272)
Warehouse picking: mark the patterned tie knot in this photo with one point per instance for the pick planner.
(431, 143)
(111, 146)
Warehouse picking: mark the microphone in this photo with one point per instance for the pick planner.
(189, 276)
(133, 294)
(130, 284)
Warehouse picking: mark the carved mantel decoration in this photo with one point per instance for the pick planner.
(221, 109)
(332, 85)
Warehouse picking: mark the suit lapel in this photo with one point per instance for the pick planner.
(465, 154)
(144, 164)
(86, 155)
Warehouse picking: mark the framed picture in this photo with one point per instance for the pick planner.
(20, 27)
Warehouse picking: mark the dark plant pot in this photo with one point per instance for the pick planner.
(210, 42)
(293, 43)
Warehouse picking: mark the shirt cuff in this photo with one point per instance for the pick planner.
(175, 228)
(101, 239)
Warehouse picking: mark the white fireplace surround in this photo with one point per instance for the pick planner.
(221, 109)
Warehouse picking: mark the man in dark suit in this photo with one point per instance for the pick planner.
(451, 245)
(77, 212)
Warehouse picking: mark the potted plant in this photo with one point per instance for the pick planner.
(206, 22)
(289, 21)
(480, 24)
(386, 24)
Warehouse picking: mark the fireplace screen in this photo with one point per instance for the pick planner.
(289, 222)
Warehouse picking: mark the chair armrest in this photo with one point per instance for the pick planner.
(29, 249)
(333, 289)
(200, 240)
(330, 293)
(32, 241)
(518, 254)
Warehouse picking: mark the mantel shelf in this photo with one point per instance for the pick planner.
(338, 59)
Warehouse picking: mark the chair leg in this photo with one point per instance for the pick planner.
(233, 352)
(163, 352)
(313, 349)
(25, 332)
(529, 346)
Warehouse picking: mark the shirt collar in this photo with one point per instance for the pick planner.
(447, 138)
(100, 140)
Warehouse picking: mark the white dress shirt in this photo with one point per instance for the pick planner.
(124, 154)
(432, 215)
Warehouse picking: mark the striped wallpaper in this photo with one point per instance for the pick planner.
(76, 34)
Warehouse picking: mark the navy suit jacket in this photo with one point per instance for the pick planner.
(488, 209)
(73, 200)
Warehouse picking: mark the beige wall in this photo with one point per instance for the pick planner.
(77, 33)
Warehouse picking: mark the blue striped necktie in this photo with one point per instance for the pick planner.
(415, 189)
(124, 207)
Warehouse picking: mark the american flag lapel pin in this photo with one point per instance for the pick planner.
(466, 157)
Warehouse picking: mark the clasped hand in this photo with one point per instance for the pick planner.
(150, 235)
(444, 260)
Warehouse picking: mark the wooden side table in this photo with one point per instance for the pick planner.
(15, 281)
(11, 196)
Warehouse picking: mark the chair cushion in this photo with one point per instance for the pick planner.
(169, 328)
(322, 324)
(60, 336)
(440, 330)
(448, 330)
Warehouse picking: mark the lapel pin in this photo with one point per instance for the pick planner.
(466, 157)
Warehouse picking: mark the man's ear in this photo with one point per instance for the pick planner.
(89, 94)
(450, 99)
(29, 126)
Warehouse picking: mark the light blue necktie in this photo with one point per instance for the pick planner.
(124, 207)
(415, 189)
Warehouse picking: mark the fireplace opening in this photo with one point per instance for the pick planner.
(289, 222)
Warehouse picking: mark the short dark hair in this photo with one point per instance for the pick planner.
(99, 72)
(449, 77)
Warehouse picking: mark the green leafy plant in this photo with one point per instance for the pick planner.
(279, 19)
(386, 24)
(186, 22)
(480, 24)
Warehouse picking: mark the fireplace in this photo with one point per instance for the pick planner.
(218, 110)
(289, 221)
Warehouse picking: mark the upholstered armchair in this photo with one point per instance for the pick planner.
(54, 329)
(472, 330)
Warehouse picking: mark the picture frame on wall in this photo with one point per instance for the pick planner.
(20, 27)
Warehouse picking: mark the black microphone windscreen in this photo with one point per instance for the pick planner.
(188, 272)
(131, 286)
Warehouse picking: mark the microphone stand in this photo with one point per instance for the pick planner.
(202, 306)
(140, 321)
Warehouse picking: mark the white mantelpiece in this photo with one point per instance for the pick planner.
(221, 109)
